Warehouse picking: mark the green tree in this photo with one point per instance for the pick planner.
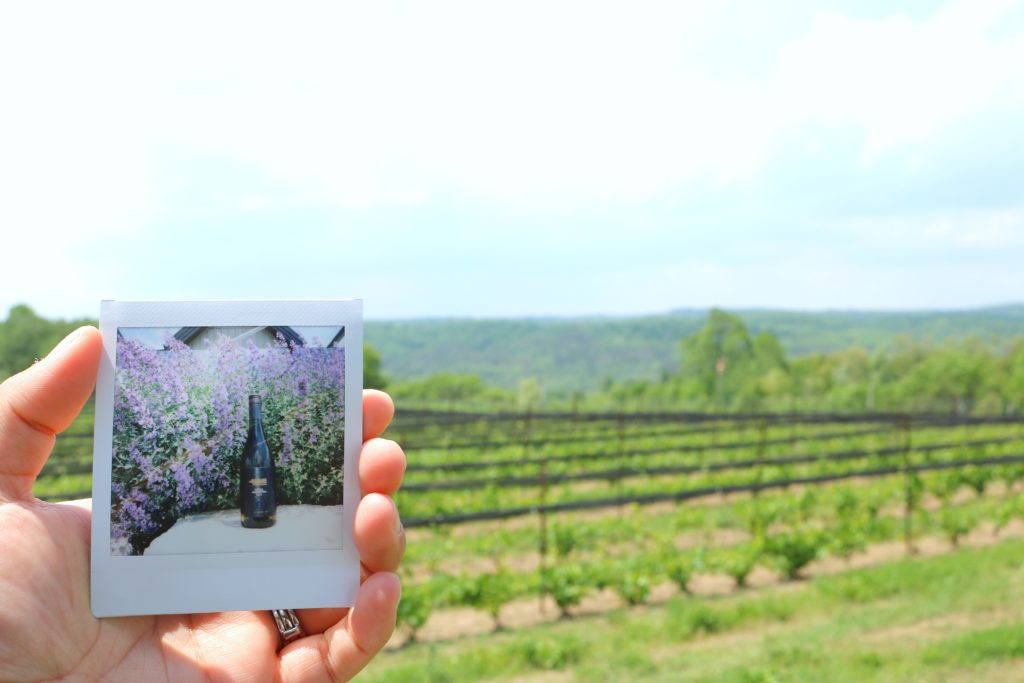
(451, 389)
(724, 366)
(717, 351)
(530, 395)
(373, 378)
(26, 337)
(949, 378)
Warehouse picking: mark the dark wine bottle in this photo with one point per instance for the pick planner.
(257, 500)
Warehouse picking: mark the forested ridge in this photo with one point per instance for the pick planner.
(580, 354)
(963, 362)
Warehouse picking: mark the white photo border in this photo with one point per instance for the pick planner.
(185, 584)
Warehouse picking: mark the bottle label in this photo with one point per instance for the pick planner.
(262, 497)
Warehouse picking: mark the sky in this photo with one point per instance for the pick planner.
(513, 159)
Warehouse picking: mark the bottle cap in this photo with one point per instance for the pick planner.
(255, 398)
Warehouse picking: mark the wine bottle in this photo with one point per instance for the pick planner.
(257, 500)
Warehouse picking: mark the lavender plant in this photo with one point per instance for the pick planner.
(180, 422)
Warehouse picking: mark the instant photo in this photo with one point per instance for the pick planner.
(224, 467)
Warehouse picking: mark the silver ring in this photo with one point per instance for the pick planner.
(288, 625)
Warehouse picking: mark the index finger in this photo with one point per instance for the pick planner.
(378, 409)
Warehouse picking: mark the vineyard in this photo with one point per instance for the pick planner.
(521, 520)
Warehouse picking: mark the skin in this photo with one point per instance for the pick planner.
(46, 629)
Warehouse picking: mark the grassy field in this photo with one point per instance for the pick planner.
(594, 547)
(947, 617)
(795, 583)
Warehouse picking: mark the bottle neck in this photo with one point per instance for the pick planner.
(256, 420)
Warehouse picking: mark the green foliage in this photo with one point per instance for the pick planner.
(687, 619)
(414, 609)
(854, 358)
(489, 592)
(551, 654)
(678, 568)
(716, 354)
(530, 395)
(447, 389)
(853, 523)
(957, 523)
(1009, 509)
(945, 484)
(743, 674)
(795, 549)
(26, 337)
(373, 378)
(633, 582)
(828, 619)
(567, 585)
(739, 562)
(770, 360)
(977, 478)
(999, 643)
(570, 537)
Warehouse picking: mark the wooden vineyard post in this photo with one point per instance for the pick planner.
(621, 461)
(448, 438)
(762, 438)
(909, 492)
(542, 545)
(760, 525)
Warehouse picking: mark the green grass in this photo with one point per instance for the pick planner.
(827, 629)
(63, 487)
(976, 647)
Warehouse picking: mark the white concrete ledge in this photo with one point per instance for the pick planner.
(298, 527)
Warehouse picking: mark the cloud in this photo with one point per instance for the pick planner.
(141, 146)
(976, 231)
(902, 82)
(537, 102)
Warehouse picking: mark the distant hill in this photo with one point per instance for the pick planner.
(567, 354)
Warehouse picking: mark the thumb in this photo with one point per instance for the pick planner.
(41, 401)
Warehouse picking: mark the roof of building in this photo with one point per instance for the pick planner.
(186, 334)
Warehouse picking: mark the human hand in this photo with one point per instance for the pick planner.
(46, 628)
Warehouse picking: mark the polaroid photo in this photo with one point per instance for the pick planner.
(225, 465)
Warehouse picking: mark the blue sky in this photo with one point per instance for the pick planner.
(532, 158)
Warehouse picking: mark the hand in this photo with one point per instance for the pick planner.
(46, 628)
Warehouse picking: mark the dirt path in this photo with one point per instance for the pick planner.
(460, 622)
(914, 635)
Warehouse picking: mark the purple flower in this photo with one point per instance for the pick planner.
(181, 420)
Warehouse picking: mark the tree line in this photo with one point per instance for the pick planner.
(25, 337)
(722, 366)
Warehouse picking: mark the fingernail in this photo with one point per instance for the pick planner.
(399, 528)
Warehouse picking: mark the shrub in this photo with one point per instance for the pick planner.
(956, 523)
(414, 609)
(739, 562)
(567, 584)
(795, 549)
(570, 537)
(678, 569)
(488, 592)
(550, 653)
(685, 620)
(633, 584)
